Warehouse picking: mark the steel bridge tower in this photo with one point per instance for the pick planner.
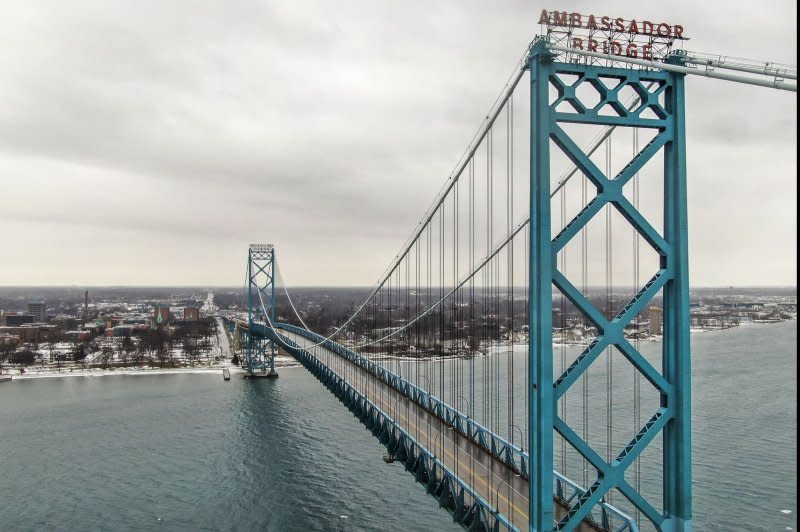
(260, 308)
(661, 94)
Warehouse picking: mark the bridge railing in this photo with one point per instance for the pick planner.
(608, 516)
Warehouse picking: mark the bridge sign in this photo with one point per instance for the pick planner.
(611, 35)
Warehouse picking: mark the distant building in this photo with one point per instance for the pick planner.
(94, 326)
(122, 330)
(67, 323)
(160, 314)
(33, 332)
(113, 321)
(191, 313)
(15, 320)
(9, 339)
(655, 320)
(77, 336)
(38, 309)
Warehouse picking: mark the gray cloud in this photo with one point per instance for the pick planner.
(324, 127)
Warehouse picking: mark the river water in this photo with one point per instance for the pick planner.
(192, 452)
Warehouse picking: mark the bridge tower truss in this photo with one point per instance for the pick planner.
(260, 308)
(660, 109)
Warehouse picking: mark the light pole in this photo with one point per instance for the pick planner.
(436, 438)
(426, 391)
(460, 397)
(496, 497)
(521, 437)
(428, 384)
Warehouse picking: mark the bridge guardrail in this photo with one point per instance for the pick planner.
(605, 514)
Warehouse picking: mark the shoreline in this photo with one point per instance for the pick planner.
(110, 372)
(280, 362)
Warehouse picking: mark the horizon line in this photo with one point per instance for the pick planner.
(202, 286)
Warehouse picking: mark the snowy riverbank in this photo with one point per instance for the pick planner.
(99, 372)
(48, 373)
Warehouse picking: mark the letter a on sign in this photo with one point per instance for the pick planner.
(543, 18)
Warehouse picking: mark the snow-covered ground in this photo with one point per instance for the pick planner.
(43, 373)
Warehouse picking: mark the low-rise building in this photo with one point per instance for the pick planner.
(8, 339)
(16, 320)
(77, 336)
(191, 313)
(33, 332)
(120, 331)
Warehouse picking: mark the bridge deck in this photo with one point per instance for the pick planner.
(490, 478)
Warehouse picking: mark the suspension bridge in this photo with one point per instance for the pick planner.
(504, 356)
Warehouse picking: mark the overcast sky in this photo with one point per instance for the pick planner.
(147, 143)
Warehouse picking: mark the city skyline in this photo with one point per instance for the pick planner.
(143, 150)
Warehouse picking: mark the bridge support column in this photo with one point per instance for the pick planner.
(658, 108)
(677, 360)
(260, 307)
(541, 405)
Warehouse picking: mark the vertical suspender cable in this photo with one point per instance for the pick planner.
(585, 376)
(526, 315)
(511, 251)
(610, 313)
(563, 324)
(472, 343)
(440, 335)
(637, 410)
(409, 331)
(495, 359)
(510, 261)
(417, 311)
(455, 359)
(428, 322)
(472, 338)
(485, 291)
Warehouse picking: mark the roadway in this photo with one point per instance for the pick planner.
(489, 477)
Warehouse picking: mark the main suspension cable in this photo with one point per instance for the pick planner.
(483, 132)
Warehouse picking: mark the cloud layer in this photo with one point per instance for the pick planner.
(150, 142)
